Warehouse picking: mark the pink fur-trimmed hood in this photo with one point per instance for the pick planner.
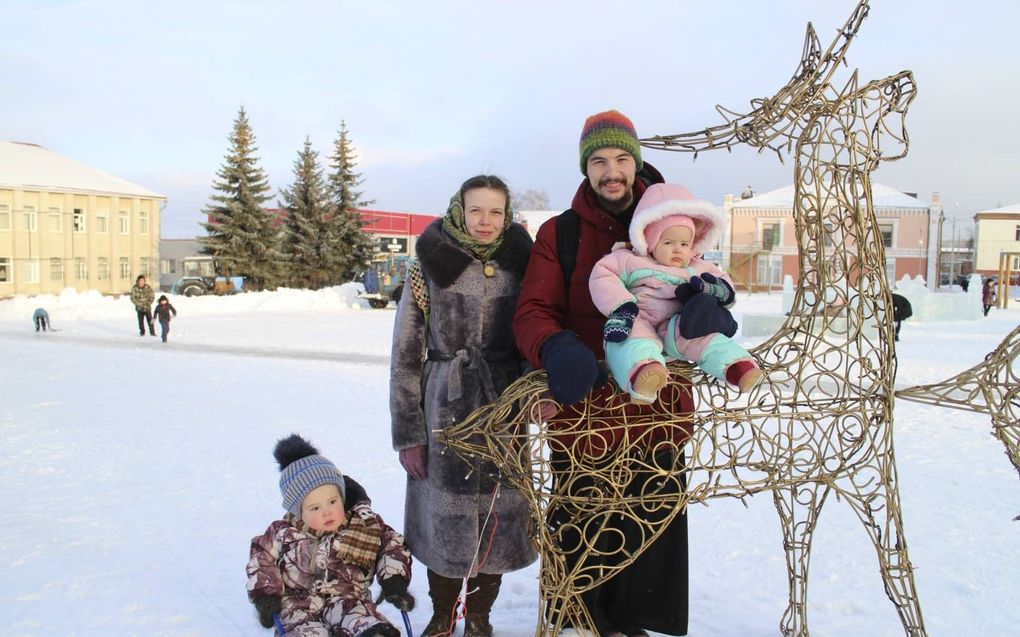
(662, 200)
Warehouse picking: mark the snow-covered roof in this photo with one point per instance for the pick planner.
(29, 166)
(882, 197)
(1015, 208)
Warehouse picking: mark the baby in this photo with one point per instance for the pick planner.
(314, 568)
(660, 297)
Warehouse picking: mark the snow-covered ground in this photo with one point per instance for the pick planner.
(133, 475)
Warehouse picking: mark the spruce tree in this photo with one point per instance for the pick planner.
(351, 247)
(240, 231)
(308, 225)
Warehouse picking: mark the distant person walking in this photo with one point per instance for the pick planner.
(42, 319)
(988, 295)
(163, 314)
(142, 296)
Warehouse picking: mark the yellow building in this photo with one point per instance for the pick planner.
(997, 232)
(65, 224)
(761, 242)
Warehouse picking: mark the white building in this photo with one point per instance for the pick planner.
(66, 224)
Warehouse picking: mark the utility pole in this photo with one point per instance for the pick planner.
(952, 258)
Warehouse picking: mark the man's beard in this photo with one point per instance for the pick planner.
(619, 205)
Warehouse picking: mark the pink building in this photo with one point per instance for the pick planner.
(762, 248)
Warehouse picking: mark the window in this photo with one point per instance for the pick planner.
(78, 220)
(890, 270)
(887, 234)
(56, 222)
(1016, 234)
(103, 269)
(31, 220)
(143, 267)
(125, 222)
(81, 269)
(5, 270)
(167, 266)
(5, 217)
(56, 269)
(31, 271)
(143, 222)
(769, 236)
(125, 268)
(101, 218)
(770, 270)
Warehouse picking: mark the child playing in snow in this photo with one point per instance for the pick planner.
(41, 318)
(660, 296)
(314, 568)
(162, 314)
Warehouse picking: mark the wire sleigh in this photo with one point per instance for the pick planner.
(821, 426)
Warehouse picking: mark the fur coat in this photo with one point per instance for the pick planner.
(472, 358)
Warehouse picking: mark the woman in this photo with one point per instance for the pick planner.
(472, 261)
(987, 295)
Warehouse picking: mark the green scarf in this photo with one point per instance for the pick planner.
(455, 226)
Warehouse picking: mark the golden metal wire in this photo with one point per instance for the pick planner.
(821, 425)
(991, 387)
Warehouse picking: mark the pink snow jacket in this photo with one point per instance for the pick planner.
(327, 577)
(632, 275)
(622, 276)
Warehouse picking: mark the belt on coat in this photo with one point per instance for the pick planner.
(472, 359)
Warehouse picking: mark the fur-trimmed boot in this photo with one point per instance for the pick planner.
(444, 592)
(482, 591)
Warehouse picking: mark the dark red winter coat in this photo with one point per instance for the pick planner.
(546, 307)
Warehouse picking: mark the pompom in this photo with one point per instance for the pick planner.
(292, 448)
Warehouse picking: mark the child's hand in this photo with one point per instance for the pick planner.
(718, 288)
(394, 591)
(620, 322)
(266, 606)
(686, 290)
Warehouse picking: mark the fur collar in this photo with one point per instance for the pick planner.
(443, 259)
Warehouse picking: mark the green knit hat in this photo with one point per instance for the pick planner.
(610, 129)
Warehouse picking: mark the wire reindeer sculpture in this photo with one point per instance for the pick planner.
(821, 426)
(991, 387)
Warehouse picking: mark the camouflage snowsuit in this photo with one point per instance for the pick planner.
(325, 579)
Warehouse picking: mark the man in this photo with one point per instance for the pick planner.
(142, 297)
(559, 329)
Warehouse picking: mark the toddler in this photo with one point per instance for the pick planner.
(314, 568)
(660, 297)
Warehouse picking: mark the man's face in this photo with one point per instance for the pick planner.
(140, 282)
(611, 172)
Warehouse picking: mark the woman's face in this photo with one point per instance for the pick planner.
(484, 213)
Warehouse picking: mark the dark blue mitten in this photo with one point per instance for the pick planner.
(620, 322)
(686, 290)
(703, 315)
(719, 288)
(266, 606)
(570, 365)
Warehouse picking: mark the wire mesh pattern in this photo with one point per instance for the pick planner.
(990, 387)
(820, 426)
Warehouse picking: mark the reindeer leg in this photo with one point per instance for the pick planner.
(798, 506)
(878, 508)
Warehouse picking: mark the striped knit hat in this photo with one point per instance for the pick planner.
(611, 129)
(302, 469)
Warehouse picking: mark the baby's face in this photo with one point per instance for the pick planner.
(674, 247)
(323, 509)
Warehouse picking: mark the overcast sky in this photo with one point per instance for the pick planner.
(434, 92)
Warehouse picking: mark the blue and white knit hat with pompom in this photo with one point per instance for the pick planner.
(302, 470)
